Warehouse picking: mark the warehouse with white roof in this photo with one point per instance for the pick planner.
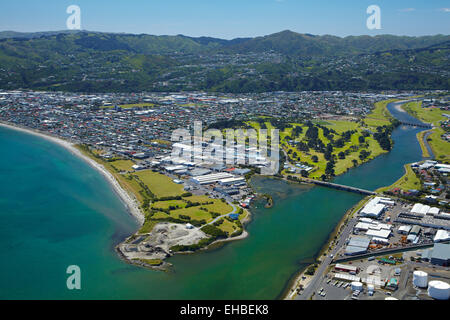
(373, 208)
(211, 178)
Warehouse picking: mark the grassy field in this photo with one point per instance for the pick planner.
(380, 115)
(159, 184)
(169, 203)
(409, 181)
(219, 207)
(201, 212)
(428, 115)
(341, 126)
(194, 212)
(227, 226)
(123, 165)
(420, 138)
(342, 165)
(440, 148)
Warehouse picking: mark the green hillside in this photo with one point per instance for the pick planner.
(97, 62)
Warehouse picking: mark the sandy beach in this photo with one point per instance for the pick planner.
(399, 106)
(130, 203)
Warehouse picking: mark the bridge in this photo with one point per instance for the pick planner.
(340, 187)
(420, 125)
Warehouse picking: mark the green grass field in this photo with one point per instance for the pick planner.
(409, 181)
(420, 138)
(227, 226)
(123, 165)
(159, 184)
(194, 212)
(218, 205)
(169, 203)
(380, 115)
(340, 126)
(428, 115)
(440, 148)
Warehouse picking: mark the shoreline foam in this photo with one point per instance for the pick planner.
(130, 204)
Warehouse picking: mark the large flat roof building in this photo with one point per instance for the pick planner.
(357, 245)
(441, 254)
(211, 178)
(375, 207)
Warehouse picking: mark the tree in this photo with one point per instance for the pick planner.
(341, 155)
(329, 170)
(314, 158)
(364, 154)
(361, 139)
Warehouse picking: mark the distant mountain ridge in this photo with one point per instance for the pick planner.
(86, 61)
(285, 42)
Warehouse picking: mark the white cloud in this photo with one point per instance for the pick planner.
(444, 9)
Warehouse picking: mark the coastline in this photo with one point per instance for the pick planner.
(130, 204)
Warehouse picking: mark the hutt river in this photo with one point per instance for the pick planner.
(56, 211)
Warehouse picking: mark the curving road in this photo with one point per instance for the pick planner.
(224, 215)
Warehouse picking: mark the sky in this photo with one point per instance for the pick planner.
(230, 19)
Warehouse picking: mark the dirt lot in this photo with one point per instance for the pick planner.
(157, 244)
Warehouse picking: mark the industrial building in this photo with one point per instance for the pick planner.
(231, 181)
(357, 245)
(441, 254)
(441, 235)
(211, 178)
(422, 209)
(375, 207)
(346, 268)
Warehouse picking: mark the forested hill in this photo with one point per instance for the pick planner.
(101, 62)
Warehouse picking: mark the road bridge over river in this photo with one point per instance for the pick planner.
(419, 125)
(340, 187)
